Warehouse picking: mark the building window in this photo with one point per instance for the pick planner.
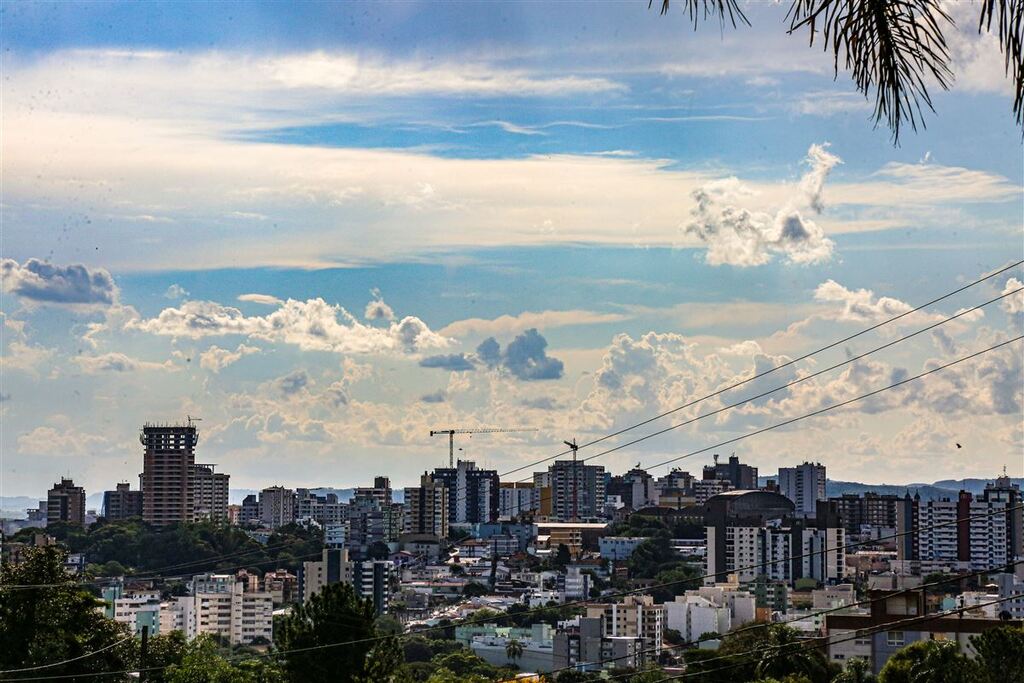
(894, 639)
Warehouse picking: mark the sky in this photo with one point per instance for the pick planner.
(326, 229)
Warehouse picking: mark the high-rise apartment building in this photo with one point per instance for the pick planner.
(472, 492)
(966, 534)
(515, 499)
(637, 616)
(65, 502)
(869, 510)
(577, 491)
(804, 485)
(250, 510)
(756, 534)
(739, 475)
(168, 474)
(122, 503)
(636, 488)
(210, 493)
(426, 508)
(324, 510)
(380, 491)
(277, 506)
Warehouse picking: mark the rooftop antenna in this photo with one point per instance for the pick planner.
(193, 419)
(575, 478)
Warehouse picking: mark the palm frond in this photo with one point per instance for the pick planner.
(702, 10)
(1009, 18)
(890, 47)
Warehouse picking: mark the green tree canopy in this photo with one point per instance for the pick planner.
(334, 615)
(57, 621)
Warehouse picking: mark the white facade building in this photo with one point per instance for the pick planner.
(804, 485)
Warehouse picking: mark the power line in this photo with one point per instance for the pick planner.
(830, 641)
(68, 661)
(759, 375)
(811, 615)
(814, 413)
(153, 574)
(469, 622)
(819, 411)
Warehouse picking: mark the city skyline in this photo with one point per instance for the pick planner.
(329, 242)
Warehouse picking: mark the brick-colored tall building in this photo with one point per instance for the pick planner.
(168, 476)
(65, 502)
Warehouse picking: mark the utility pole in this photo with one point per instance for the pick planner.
(575, 479)
(143, 652)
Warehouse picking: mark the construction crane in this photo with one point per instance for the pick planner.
(481, 430)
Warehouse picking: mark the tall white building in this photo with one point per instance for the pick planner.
(277, 506)
(804, 485)
(966, 534)
(514, 499)
(635, 617)
(220, 606)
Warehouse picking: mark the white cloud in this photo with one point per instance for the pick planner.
(377, 309)
(860, 305)
(118, 362)
(738, 237)
(512, 324)
(216, 359)
(1014, 303)
(60, 440)
(264, 299)
(176, 291)
(312, 325)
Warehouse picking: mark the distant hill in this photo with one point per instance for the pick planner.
(927, 491)
(946, 488)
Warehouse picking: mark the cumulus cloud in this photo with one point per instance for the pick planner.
(489, 352)
(176, 291)
(62, 439)
(117, 362)
(457, 362)
(312, 325)
(40, 282)
(859, 305)
(1013, 304)
(527, 359)
(20, 354)
(216, 359)
(739, 237)
(377, 309)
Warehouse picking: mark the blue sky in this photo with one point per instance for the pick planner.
(285, 217)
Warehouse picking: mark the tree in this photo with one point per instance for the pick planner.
(652, 556)
(164, 651)
(891, 49)
(514, 650)
(857, 670)
(334, 615)
(378, 550)
(1000, 653)
(202, 663)
(474, 589)
(562, 557)
(944, 663)
(782, 654)
(57, 621)
(897, 669)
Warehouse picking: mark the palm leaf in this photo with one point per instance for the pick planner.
(890, 47)
(1009, 18)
